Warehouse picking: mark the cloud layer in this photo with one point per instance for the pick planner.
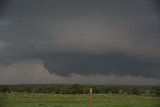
(77, 38)
(33, 72)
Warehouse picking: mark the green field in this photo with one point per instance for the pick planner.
(61, 100)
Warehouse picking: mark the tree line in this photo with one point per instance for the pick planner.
(82, 89)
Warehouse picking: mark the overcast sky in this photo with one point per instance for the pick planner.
(115, 42)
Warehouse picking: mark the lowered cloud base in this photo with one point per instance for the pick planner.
(34, 72)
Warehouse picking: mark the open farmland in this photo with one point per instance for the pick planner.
(80, 100)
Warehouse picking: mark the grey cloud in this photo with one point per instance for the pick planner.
(3, 4)
(3, 44)
(116, 63)
(83, 37)
(68, 27)
(35, 73)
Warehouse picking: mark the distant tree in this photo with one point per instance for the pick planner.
(75, 89)
(121, 91)
(48, 89)
(127, 90)
(27, 89)
(85, 90)
(4, 89)
(114, 90)
(156, 90)
(135, 91)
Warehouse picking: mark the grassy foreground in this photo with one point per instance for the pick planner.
(58, 100)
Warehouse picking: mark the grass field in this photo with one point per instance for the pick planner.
(57, 100)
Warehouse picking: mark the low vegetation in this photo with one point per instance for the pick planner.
(78, 100)
(77, 96)
(82, 89)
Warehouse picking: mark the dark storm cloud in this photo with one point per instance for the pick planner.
(157, 4)
(113, 63)
(2, 7)
(83, 37)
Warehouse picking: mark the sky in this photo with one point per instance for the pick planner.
(108, 42)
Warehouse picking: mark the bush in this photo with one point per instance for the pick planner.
(156, 90)
(135, 91)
